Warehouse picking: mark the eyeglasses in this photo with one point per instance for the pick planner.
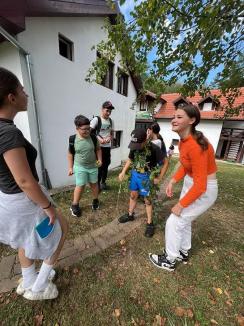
(84, 129)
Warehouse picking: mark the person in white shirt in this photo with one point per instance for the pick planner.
(102, 126)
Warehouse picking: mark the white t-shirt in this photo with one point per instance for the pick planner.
(157, 142)
(105, 130)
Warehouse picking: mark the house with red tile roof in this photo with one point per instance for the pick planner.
(226, 134)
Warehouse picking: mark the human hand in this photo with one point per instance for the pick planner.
(169, 189)
(121, 176)
(177, 209)
(51, 213)
(99, 163)
(70, 172)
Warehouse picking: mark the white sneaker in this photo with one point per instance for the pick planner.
(21, 290)
(50, 292)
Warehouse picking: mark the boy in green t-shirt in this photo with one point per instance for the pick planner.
(84, 158)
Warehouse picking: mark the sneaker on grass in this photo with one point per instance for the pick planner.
(183, 257)
(75, 210)
(149, 232)
(127, 218)
(161, 261)
(51, 292)
(95, 204)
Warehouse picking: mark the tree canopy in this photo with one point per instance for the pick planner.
(188, 38)
(235, 78)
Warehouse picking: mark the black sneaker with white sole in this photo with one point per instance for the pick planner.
(183, 257)
(95, 204)
(161, 261)
(127, 218)
(75, 210)
(150, 229)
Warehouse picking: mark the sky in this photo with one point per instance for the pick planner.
(128, 6)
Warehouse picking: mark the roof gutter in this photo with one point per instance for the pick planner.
(14, 42)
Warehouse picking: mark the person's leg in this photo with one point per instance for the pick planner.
(149, 209)
(149, 232)
(106, 163)
(28, 271)
(77, 194)
(132, 202)
(178, 228)
(94, 189)
(42, 280)
(81, 179)
(130, 216)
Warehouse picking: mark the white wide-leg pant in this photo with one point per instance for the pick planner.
(178, 228)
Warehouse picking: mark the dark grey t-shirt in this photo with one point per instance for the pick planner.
(11, 137)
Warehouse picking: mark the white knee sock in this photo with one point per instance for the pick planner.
(42, 278)
(29, 275)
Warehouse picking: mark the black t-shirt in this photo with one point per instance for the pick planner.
(150, 156)
(11, 137)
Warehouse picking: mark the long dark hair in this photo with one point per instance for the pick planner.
(193, 112)
(156, 129)
(8, 84)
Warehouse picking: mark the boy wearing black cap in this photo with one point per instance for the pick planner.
(144, 156)
(102, 126)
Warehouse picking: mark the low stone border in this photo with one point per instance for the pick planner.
(80, 248)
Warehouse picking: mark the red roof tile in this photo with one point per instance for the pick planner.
(168, 108)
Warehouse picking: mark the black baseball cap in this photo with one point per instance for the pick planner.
(138, 136)
(108, 105)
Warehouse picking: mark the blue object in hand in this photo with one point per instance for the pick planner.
(44, 228)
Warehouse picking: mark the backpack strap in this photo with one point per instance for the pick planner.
(72, 144)
(99, 124)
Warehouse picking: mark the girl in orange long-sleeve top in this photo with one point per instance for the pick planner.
(199, 192)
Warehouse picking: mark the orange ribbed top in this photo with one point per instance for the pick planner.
(198, 164)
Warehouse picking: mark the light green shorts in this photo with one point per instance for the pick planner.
(84, 175)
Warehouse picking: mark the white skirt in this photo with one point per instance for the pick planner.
(18, 218)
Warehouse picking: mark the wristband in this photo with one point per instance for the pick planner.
(49, 205)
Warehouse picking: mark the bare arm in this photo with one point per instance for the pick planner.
(124, 170)
(70, 163)
(163, 170)
(17, 163)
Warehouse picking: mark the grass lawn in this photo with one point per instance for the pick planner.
(121, 287)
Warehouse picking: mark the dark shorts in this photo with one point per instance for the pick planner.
(140, 182)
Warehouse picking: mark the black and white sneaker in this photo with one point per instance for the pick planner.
(183, 257)
(75, 210)
(95, 204)
(127, 218)
(161, 261)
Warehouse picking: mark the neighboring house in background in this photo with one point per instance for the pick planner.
(226, 136)
(144, 115)
(51, 54)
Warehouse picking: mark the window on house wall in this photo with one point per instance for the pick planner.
(207, 106)
(123, 79)
(117, 139)
(143, 106)
(108, 79)
(66, 47)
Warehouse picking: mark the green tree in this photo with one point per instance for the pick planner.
(235, 78)
(189, 37)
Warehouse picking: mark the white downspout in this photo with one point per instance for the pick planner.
(13, 41)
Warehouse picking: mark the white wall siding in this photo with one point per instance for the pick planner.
(62, 92)
(211, 129)
(10, 59)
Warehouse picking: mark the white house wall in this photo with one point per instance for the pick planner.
(10, 59)
(211, 129)
(62, 92)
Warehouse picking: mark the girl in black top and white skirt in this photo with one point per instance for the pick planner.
(23, 202)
